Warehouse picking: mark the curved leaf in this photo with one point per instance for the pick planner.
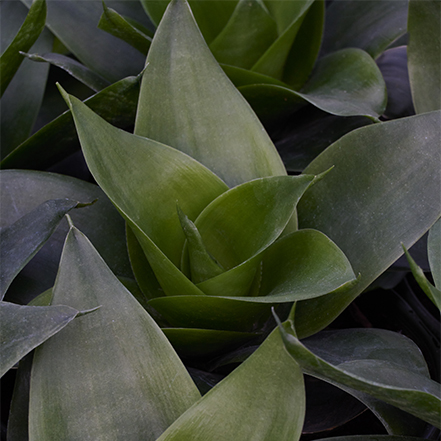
(302, 265)
(369, 225)
(424, 53)
(217, 128)
(145, 178)
(272, 410)
(21, 240)
(246, 36)
(58, 139)
(25, 190)
(389, 367)
(371, 26)
(23, 328)
(27, 35)
(115, 24)
(74, 68)
(108, 56)
(116, 362)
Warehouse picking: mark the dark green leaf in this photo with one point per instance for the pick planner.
(434, 252)
(23, 191)
(108, 56)
(23, 328)
(249, 32)
(115, 24)
(21, 240)
(74, 68)
(425, 54)
(386, 365)
(116, 362)
(368, 25)
(27, 35)
(58, 139)
(363, 205)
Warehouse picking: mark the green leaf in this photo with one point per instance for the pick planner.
(263, 400)
(23, 191)
(344, 83)
(364, 204)
(424, 54)
(211, 16)
(117, 361)
(23, 97)
(108, 56)
(347, 83)
(58, 139)
(22, 240)
(273, 61)
(248, 33)
(227, 138)
(115, 24)
(431, 291)
(74, 68)
(370, 25)
(120, 163)
(23, 328)
(372, 438)
(434, 252)
(302, 265)
(205, 342)
(27, 35)
(380, 363)
(306, 46)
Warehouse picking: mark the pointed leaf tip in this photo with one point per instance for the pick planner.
(65, 95)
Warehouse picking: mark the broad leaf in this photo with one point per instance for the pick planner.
(58, 139)
(424, 52)
(368, 25)
(23, 191)
(369, 226)
(27, 35)
(228, 138)
(23, 328)
(116, 362)
(21, 240)
(131, 171)
(249, 32)
(263, 400)
(74, 68)
(387, 366)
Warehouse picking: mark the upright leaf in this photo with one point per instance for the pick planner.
(27, 35)
(262, 400)
(217, 128)
(424, 54)
(110, 372)
(434, 252)
(398, 162)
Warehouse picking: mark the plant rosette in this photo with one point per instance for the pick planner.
(211, 214)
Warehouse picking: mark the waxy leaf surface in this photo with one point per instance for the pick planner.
(387, 366)
(227, 138)
(116, 362)
(23, 328)
(270, 410)
(424, 52)
(22, 240)
(27, 35)
(398, 162)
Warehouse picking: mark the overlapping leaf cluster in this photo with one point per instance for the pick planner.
(216, 231)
